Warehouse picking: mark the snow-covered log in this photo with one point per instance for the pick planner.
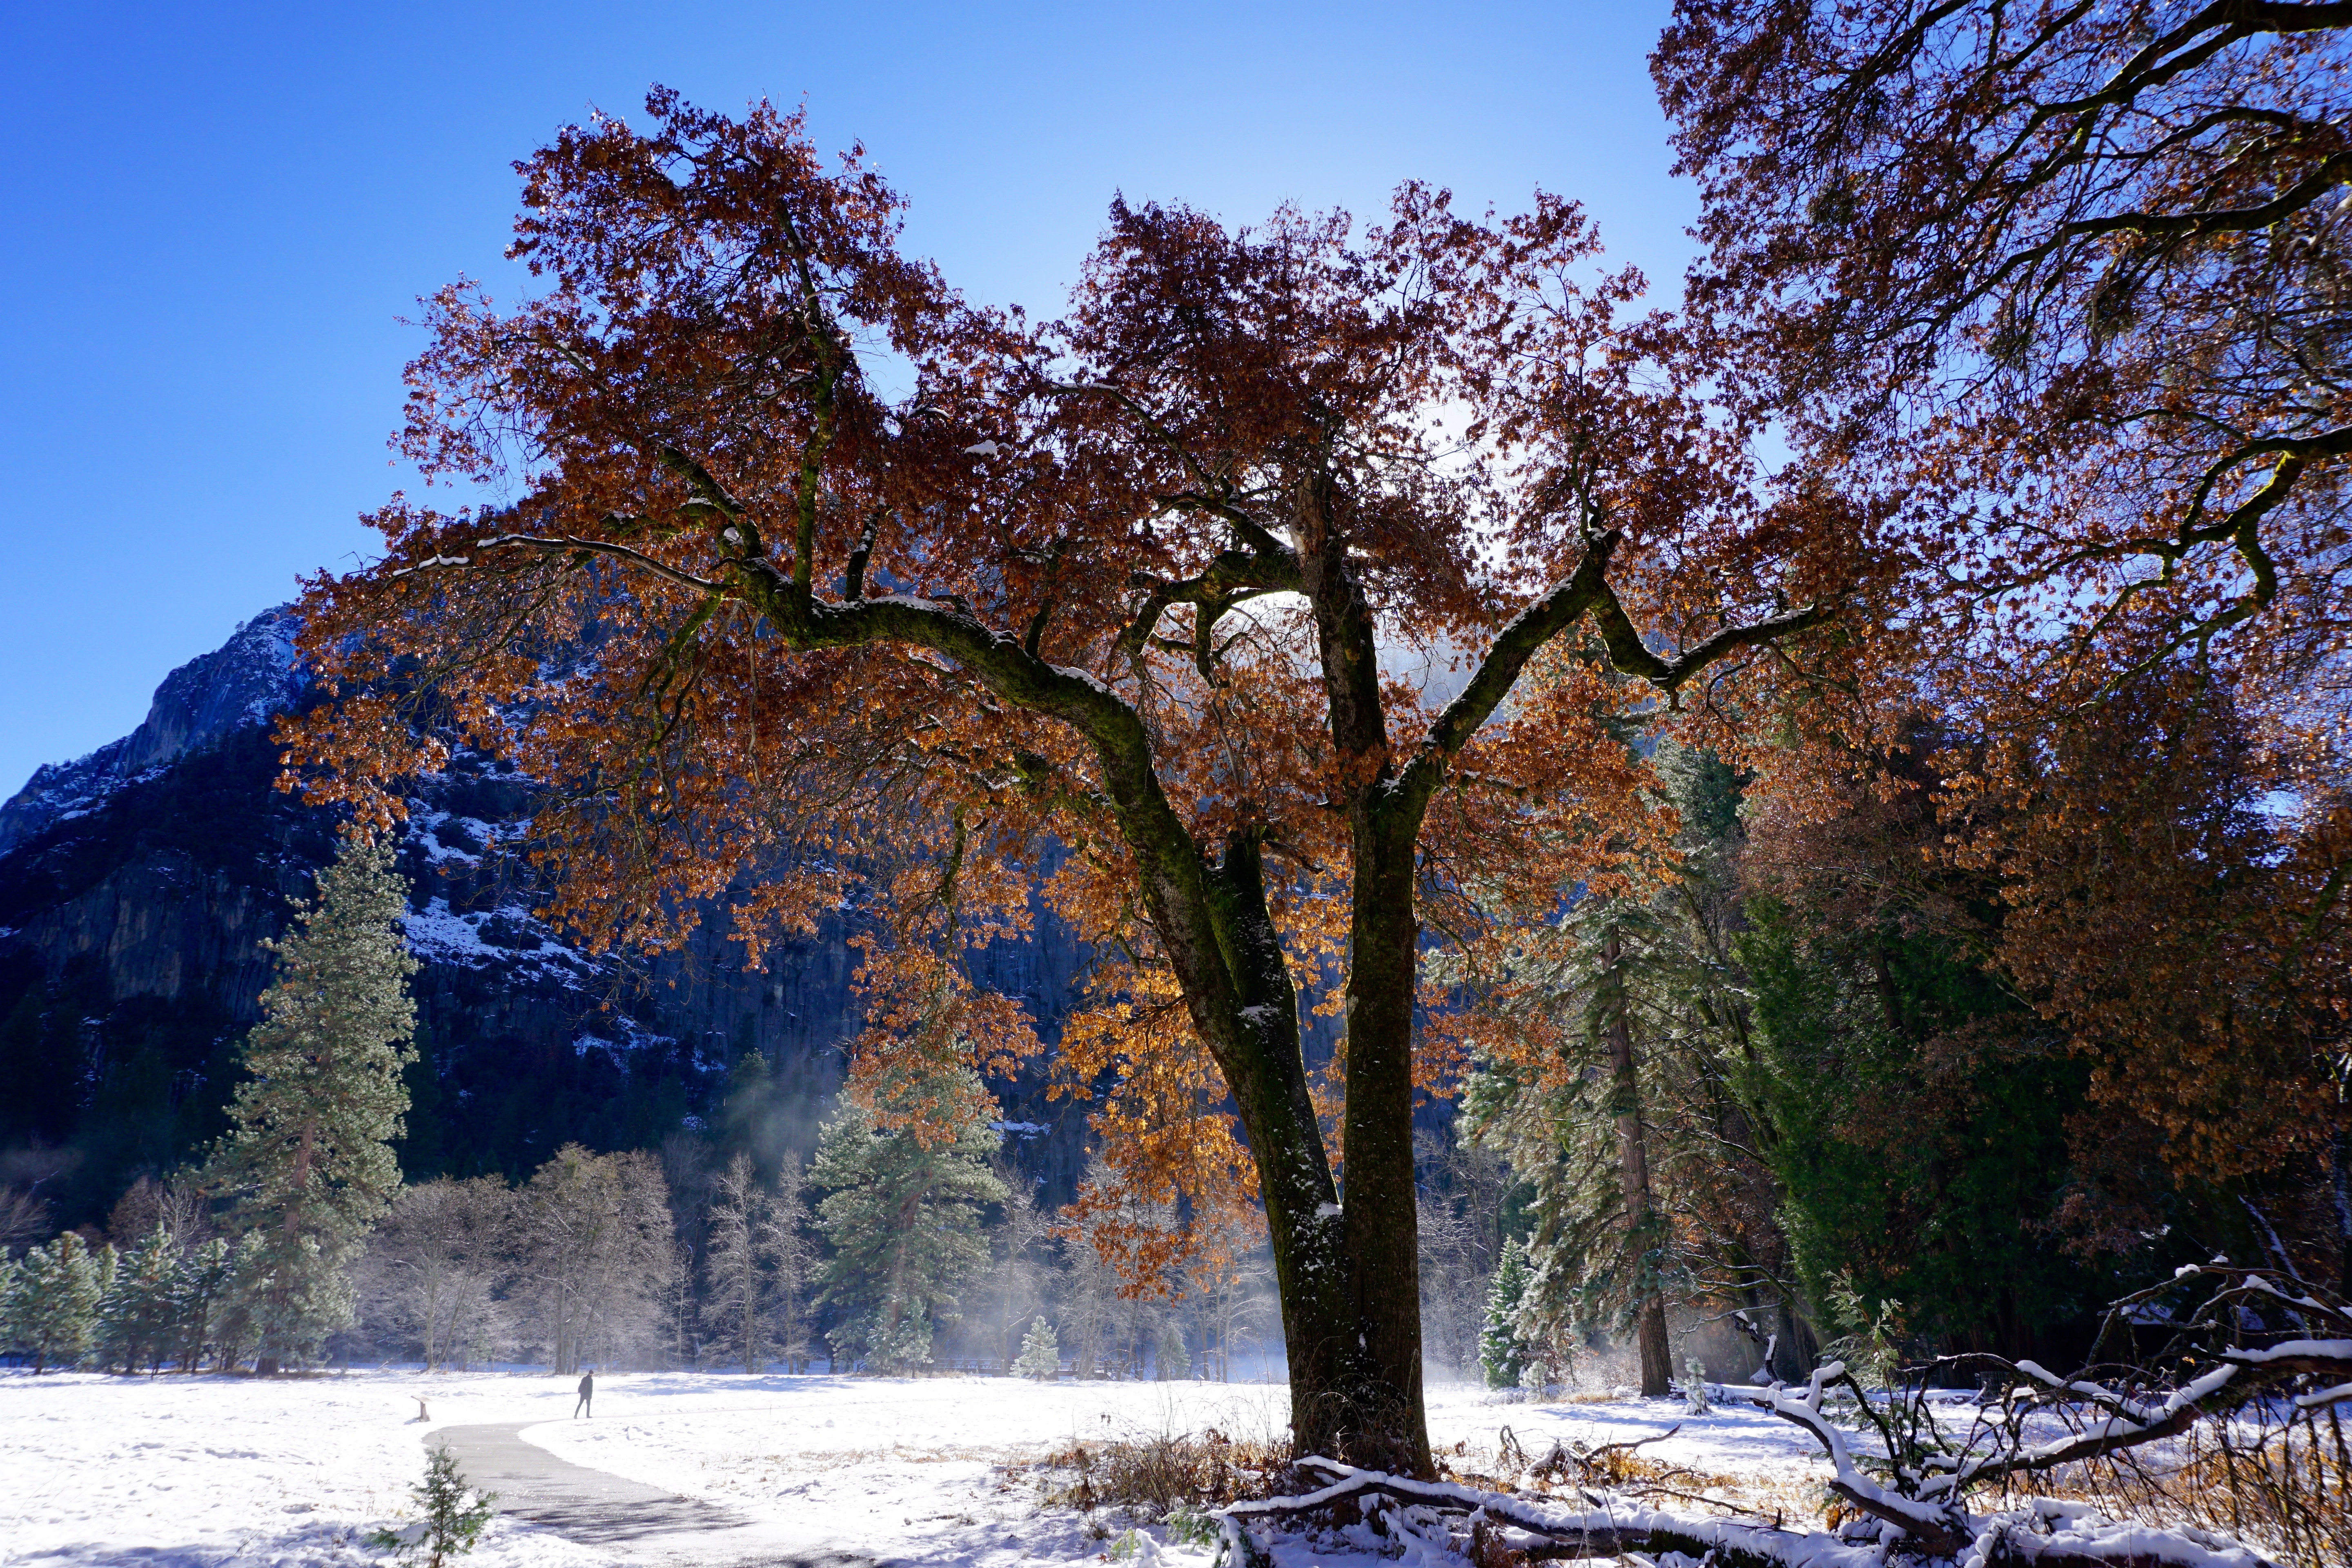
(1507, 1530)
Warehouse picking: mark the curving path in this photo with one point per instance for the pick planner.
(630, 1518)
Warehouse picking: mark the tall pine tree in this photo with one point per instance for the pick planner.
(902, 1214)
(308, 1156)
(1610, 1079)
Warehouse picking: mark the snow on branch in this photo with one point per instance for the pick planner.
(1434, 1520)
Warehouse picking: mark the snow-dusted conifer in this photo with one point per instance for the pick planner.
(138, 1318)
(1171, 1358)
(455, 1512)
(1041, 1352)
(1695, 1386)
(1501, 1354)
(903, 1219)
(308, 1156)
(51, 1308)
(198, 1293)
(12, 1271)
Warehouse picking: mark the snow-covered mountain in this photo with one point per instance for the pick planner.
(138, 884)
(246, 681)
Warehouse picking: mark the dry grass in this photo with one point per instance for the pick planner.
(2284, 1492)
(1566, 1470)
(1151, 1477)
(2283, 1487)
(1147, 1479)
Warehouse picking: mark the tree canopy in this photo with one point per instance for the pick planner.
(1294, 602)
(2056, 293)
(1152, 582)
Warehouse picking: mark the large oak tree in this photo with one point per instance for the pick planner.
(1267, 605)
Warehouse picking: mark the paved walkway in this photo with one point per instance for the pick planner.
(623, 1516)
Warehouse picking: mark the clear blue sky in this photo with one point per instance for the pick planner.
(211, 214)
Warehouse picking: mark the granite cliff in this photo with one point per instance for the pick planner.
(137, 886)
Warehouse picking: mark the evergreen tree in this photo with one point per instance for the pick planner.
(309, 1151)
(236, 1325)
(1171, 1358)
(1041, 1352)
(198, 1292)
(1918, 1106)
(1922, 1143)
(138, 1319)
(1620, 1089)
(1500, 1357)
(455, 1512)
(51, 1307)
(902, 1215)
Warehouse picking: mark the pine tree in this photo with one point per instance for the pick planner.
(51, 1307)
(1041, 1352)
(1615, 1089)
(138, 1319)
(1170, 1356)
(903, 1219)
(1500, 1356)
(452, 1521)
(309, 1151)
(15, 1292)
(198, 1296)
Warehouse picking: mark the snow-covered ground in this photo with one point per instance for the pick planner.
(176, 1473)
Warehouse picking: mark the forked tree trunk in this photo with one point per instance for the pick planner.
(1339, 1406)
(1348, 1277)
(1633, 1173)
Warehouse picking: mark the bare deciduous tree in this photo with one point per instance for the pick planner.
(437, 1268)
(593, 1234)
(757, 1262)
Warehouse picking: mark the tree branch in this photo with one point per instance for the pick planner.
(563, 543)
(1585, 590)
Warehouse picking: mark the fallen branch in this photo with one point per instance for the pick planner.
(1504, 1529)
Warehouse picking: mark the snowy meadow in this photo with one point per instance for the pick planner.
(180, 1473)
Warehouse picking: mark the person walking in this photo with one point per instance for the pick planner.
(587, 1394)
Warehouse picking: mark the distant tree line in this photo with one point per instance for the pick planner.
(1780, 1085)
(296, 1242)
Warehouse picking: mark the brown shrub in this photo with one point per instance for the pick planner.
(1151, 1476)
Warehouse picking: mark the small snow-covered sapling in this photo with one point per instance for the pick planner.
(451, 1522)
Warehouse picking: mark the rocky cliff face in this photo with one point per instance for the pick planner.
(138, 884)
(237, 685)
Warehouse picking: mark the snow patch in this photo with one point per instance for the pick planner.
(508, 935)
